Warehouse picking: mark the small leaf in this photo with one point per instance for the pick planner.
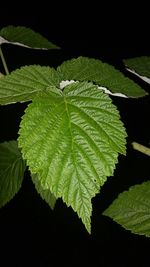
(26, 37)
(132, 209)
(45, 193)
(139, 66)
(103, 74)
(24, 83)
(12, 169)
(72, 142)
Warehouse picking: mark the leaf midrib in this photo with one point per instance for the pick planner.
(72, 148)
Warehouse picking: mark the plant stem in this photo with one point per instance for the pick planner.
(145, 150)
(3, 61)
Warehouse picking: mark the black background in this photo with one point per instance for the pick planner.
(30, 233)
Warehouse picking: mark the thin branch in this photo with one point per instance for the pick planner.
(3, 61)
(143, 149)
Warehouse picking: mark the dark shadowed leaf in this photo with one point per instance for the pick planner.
(132, 209)
(12, 168)
(26, 37)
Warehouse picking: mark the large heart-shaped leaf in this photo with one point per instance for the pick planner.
(72, 142)
(103, 74)
(26, 37)
(132, 209)
(12, 168)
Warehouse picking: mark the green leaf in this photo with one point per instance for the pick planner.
(23, 84)
(12, 168)
(26, 37)
(45, 193)
(132, 209)
(140, 66)
(1, 75)
(72, 142)
(103, 74)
